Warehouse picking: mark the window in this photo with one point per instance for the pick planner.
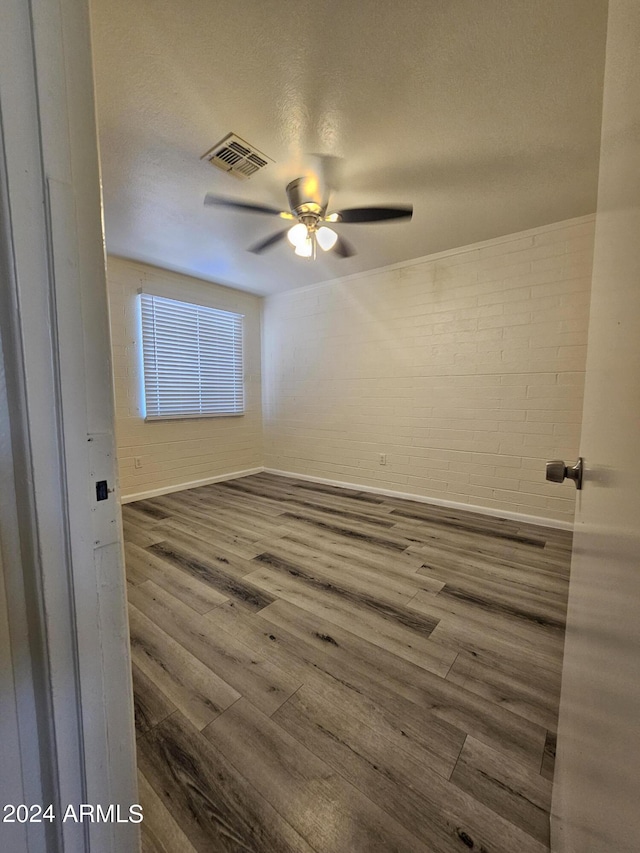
(192, 359)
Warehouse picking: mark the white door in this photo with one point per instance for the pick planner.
(596, 805)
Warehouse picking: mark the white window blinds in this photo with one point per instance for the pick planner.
(192, 359)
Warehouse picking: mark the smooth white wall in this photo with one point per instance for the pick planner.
(178, 453)
(596, 805)
(465, 368)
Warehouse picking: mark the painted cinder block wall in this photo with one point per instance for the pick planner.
(465, 368)
(177, 454)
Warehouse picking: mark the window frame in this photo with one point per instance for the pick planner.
(174, 416)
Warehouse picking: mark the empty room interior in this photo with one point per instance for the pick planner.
(349, 265)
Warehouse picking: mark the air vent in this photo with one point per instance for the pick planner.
(236, 157)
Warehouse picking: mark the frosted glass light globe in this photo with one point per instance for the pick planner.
(297, 235)
(326, 238)
(305, 250)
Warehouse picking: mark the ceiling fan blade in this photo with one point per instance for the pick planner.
(375, 214)
(263, 245)
(343, 249)
(220, 201)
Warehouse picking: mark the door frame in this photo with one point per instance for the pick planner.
(65, 616)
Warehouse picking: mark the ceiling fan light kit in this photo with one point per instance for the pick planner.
(305, 238)
(306, 205)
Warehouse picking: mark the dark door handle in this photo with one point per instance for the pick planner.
(558, 472)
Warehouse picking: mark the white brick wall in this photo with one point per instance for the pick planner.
(176, 452)
(465, 368)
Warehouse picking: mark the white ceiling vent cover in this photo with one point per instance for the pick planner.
(236, 157)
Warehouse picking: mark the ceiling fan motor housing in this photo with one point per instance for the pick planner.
(305, 199)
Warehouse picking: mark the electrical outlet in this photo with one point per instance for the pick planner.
(137, 462)
(383, 458)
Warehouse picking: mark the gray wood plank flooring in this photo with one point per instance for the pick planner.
(321, 669)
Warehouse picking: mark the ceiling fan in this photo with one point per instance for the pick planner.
(310, 231)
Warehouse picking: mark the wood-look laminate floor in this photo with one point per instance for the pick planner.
(318, 669)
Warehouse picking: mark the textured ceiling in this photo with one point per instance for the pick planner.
(485, 114)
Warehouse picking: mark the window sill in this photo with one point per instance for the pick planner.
(198, 416)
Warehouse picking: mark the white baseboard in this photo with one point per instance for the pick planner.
(180, 487)
(392, 493)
